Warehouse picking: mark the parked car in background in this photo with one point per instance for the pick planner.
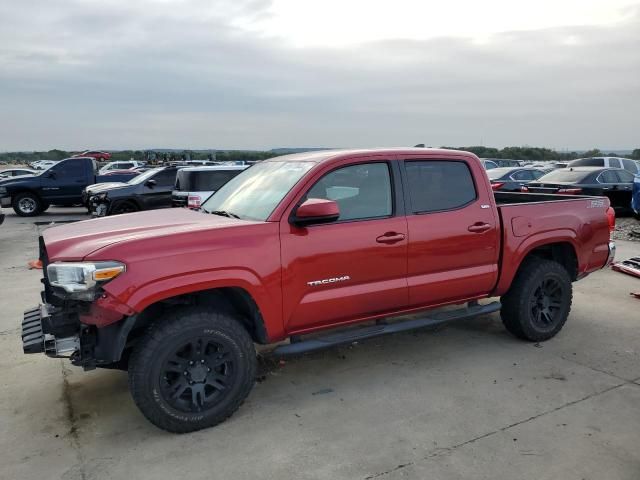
(129, 165)
(512, 179)
(16, 172)
(195, 184)
(632, 166)
(98, 155)
(148, 191)
(505, 162)
(43, 164)
(488, 164)
(635, 197)
(61, 184)
(614, 183)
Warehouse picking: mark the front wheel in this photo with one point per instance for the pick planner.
(537, 305)
(27, 204)
(192, 370)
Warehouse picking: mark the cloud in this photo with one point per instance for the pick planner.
(188, 73)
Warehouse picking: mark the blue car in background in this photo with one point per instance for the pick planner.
(635, 196)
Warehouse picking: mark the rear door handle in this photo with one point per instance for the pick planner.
(390, 237)
(479, 227)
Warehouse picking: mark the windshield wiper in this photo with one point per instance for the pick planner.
(224, 213)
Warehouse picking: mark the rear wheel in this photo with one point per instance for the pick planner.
(537, 305)
(27, 204)
(192, 370)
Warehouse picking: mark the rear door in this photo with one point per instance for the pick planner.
(454, 233)
(356, 266)
(609, 182)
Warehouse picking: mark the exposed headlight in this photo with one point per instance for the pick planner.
(79, 280)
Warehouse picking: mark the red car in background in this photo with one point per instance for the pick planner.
(103, 156)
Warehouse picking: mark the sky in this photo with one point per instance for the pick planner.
(259, 74)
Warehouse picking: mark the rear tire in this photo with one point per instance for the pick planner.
(537, 305)
(26, 204)
(192, 370)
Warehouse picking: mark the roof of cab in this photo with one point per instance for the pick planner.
(326, 155)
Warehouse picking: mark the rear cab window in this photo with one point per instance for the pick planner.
(439, 185)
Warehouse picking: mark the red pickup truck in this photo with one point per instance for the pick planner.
(298, 245)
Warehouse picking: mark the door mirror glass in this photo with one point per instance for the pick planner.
(150, 183)
(315, 211)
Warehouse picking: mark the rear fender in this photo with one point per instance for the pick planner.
(513, 258)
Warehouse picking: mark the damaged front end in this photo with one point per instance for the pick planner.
(73, 306)
(99, 204)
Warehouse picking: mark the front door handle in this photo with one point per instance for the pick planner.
(479, 227)
(390, 237)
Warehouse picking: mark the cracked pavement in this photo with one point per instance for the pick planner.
(461, 401)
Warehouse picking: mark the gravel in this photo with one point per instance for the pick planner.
(625, 228)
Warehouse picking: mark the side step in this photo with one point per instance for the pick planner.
(357, 334)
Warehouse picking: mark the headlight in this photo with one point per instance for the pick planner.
(80, 280)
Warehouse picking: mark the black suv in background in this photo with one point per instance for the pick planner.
(195, 184)
(149, 190)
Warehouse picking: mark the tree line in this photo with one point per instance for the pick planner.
(516, 153)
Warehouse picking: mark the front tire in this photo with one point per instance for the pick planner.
(27, 204)
(123, 207)
(192, 370)
(537, 305)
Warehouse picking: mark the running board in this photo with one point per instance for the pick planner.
(357, 334)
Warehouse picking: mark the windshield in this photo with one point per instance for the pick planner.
(144, 176)
(256, 192)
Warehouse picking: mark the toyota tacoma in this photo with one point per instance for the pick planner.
(296, 250)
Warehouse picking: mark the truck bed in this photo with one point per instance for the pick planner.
(578, 222)
(514, 198)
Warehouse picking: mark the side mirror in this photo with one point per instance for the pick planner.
(150, 183)
(315, 211)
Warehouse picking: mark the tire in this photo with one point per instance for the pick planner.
(26, 204)
(170, 379)
(537, 305)
(124, 207)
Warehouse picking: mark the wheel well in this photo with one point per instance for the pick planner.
(562, 253)
(32, 192)
(234, 300)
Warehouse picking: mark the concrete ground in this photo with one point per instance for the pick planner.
(463, 401)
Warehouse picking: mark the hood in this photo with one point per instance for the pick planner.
(77, 240)
(103, 187)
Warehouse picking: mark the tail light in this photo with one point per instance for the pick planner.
(570, 191)
(194, 201)
(496, 186)
(611, 218)
(524, 188)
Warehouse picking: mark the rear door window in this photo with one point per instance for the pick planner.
(206, 181)
(608, 176)
(523, 175)
(439, 185)
(614, 163)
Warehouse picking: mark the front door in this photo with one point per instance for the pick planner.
(454, 233)
(354, 267)
(65, 181)
(159, 195)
